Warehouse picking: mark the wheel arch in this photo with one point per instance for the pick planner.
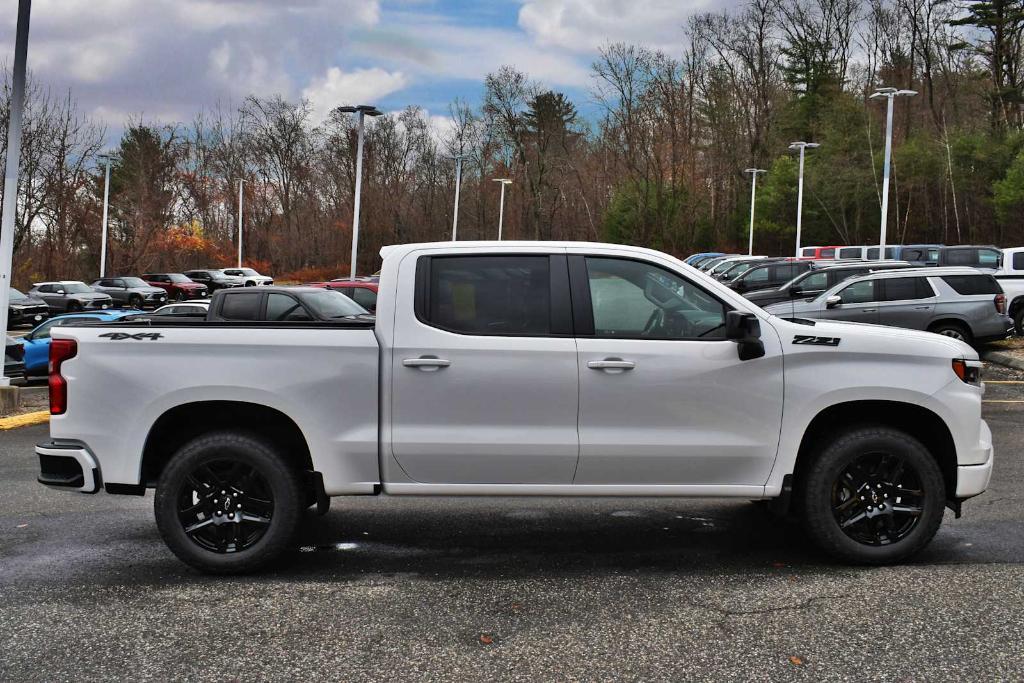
(921, 423)
(182, 423)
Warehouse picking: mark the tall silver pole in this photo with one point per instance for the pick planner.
(800, 200)
(885, 174)
(501, 210)
(240, 181)
(10, 203)
(359, 187)
(458, 187)
(103, 232)
(753, 193)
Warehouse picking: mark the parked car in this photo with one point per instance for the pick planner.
(519, 368)
(177, 285)
(283, 304)
(37, 342)
(198, 307)
(695, 259)
(818, 253)
(1011, 278)
(214, 279)
(962, 303)
(249, 277)
(726, 264)
(768, 275)
(712, 262)
(131, 291)
(916, 254)
(363, 292)
(982, 257)
(868, 252)
(736, 269)
(70, 296)
(822, 276)
(14, 358)
(26, 310)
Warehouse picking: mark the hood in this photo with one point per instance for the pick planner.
(790, 308)
(881, 339)
(147, 290)
(27, 301)
(89, 295)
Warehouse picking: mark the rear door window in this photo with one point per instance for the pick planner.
(828, 253)
(905, 289)
(988, 258)
(973, 284)
(962, 257)
(283, 307)
(849, 252)
(241, 306)
(1018, 260)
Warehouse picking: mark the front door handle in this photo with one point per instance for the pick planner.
(611, 364)
(426, 363)
(870, 310)
(922, 308)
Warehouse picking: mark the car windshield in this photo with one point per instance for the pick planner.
(331, 304)
(134, 282)
(16, 295)
(75, 288)
(178, 278)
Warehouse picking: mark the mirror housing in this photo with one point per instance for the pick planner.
(833, 301)
(739, 285)
(62, 292)
(745, 330)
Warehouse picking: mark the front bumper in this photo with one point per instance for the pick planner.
(32, 316)
(68, 466)
(973, 479)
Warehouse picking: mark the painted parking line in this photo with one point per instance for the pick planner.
(25, 420)
(1004, 381)
(1002, 401)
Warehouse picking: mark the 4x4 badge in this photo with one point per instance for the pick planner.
(810, 339)
(139, 336)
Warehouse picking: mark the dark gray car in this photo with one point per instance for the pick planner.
(131, 291)
(70, 296)
(815, 281)
(963, 303)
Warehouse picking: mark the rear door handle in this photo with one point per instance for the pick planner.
(426, 363)
(922, 308)
(611, 364)
(870, 310)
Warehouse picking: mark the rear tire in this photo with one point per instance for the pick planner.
(1018, 321)
(954, 331)
(212, 479)
(135, 301)
(74, 307)
(180, 296)
(874, 495)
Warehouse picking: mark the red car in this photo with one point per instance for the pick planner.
(177, 285)
(363, 292)
(820, 253)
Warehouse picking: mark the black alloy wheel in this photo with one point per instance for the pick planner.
(878, 499)
(225, 506)
(180, 296)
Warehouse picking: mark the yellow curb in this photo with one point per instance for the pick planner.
(36, 418)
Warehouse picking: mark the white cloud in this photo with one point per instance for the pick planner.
(361, 86)
(585, 25)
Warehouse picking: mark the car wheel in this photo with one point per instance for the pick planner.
(874, 495)
(74, 307)
(180, 296)
(952, 330)
(228, 503)
(250, 283)
(1018, 321)
(135, 301)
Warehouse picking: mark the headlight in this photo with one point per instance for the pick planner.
(968, 374)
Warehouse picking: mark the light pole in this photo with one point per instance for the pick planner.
(890, 94)
(458, 186)
(753, 193)
(240, 181)
(363, 110)
(802, 146)
(10, 203)
(501, 206)
(106, 206)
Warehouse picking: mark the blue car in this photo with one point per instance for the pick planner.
(703, 256)
(37, 342)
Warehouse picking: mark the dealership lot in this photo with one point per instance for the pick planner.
(525, 589)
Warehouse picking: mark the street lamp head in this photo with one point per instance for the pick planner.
(906, 93)
(884, 92)
(755, 171)
(503, 181)
(802, 145)
(366, 109)
(811, 145)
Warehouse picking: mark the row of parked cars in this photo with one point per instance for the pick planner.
(972, 293)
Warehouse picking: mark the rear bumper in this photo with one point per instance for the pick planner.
(68, 466)
(1003, 329)
(973, 479)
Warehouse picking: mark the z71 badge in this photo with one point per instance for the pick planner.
(811, 340)
(138, 336)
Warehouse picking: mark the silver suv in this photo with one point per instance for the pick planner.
(962, 303)
(131, 291)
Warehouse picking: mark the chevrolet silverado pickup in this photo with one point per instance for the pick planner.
(520, 369)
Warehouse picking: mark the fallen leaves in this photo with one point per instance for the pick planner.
(486, 639)
(795, 661)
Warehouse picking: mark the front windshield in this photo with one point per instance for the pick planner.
(178, 278)
(75, 288)
(331, 304)
(741, 268)
(16, 295)
(134, 282)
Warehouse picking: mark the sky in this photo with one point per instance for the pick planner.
(165, 60)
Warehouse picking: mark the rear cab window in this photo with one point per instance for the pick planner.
(241, 306)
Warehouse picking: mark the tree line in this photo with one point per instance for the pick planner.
(657, 161)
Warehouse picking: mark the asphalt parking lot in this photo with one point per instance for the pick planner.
(511, 589)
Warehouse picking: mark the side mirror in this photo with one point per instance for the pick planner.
(61, 292)
(739, 285)
(795, 291)
(833, 301)
(745, 330)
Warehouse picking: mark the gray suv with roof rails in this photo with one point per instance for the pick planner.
(821, 277)
(962, 303)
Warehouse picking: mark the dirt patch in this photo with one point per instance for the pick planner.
(31, 402)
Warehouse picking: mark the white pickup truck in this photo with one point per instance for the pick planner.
(1011, 276)
(519, 369)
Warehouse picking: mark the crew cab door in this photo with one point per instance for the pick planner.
(906, 302)
(484, 387)
(664, 397)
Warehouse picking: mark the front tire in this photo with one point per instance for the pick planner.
(1018, 321)
(874, 495)
(953, 331)
(228, 503)
(135, 301)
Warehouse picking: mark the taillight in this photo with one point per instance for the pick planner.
(60, 351)
(1001, 304)
(968, 374)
